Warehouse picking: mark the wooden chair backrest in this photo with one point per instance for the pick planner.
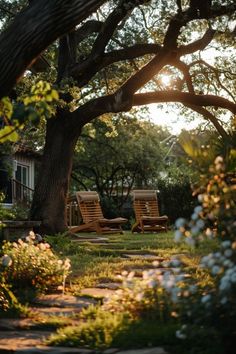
(89, 204)
(145, 203)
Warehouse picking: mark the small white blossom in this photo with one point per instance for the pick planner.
(198, 209)
(200, 223)
(180, 222)
(228, 253)
(226, 244)
(194, 216)
(233, 278)
(180, 335)
(6, 260)
(156, 263)
(206, 298)
(224, 300)
(215, 270)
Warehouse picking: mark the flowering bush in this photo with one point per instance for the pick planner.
(204, 305)
(216, 307)
(28, 264)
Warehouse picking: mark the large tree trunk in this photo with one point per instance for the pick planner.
(49, 202)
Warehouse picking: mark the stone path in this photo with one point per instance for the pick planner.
(26, 336)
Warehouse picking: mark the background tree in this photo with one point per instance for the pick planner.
(117, 60)
(116, 153)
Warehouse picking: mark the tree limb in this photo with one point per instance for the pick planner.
(84, 71)
(209, 116)
(199, 44)
(185, 98)
(37, 26)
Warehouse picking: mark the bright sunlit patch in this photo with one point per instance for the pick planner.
(166, 80)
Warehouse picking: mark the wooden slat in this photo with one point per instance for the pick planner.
(147, 213)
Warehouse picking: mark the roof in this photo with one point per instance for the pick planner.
(25, 150)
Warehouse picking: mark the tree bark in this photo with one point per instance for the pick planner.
(49, 202)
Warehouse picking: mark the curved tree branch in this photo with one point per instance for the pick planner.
(38, 25)
(83, 72)
(199, 44)
(209, 116)
(185, 98)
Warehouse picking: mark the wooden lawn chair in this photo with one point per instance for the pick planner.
(92, 216)
(147, 212)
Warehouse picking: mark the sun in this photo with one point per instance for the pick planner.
(166, 80)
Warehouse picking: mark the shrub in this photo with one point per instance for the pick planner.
(32, 265)
(9, 304)
(97, 332)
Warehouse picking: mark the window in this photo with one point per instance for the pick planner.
(22, 174)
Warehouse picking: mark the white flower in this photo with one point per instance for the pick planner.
(41, 246)
(200, 198)
(6, 260)
(194, 216)
(227, 263)
(217, 255)
(224, 300)
(198, 209)
(180, 335)
(67, 264)
(209, 232)
(200, 223)
(206, 298)
(205, 260)
(219, 160)
(225, 283)
(211, 263)
(156, 263)
(180, 222)
(233, 278)
(226, 244)
(215, 270)
(32, 235)
(228, 253)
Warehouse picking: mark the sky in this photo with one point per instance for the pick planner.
(173, 119)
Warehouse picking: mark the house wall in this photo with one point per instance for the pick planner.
(29, 163)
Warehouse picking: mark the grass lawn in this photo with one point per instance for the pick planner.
(94, 263)
(102, 262)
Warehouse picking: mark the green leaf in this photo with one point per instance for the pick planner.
(8, 133)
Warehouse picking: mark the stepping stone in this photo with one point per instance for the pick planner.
(90, 240)
(111, 286)
(10, 324)
(13, 340)
(56, 311)
(151, 257)
(54, 350)
(157, 350)
(55, 300)
(96, 292)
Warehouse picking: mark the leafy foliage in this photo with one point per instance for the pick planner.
(33, 106)
(32, 265)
